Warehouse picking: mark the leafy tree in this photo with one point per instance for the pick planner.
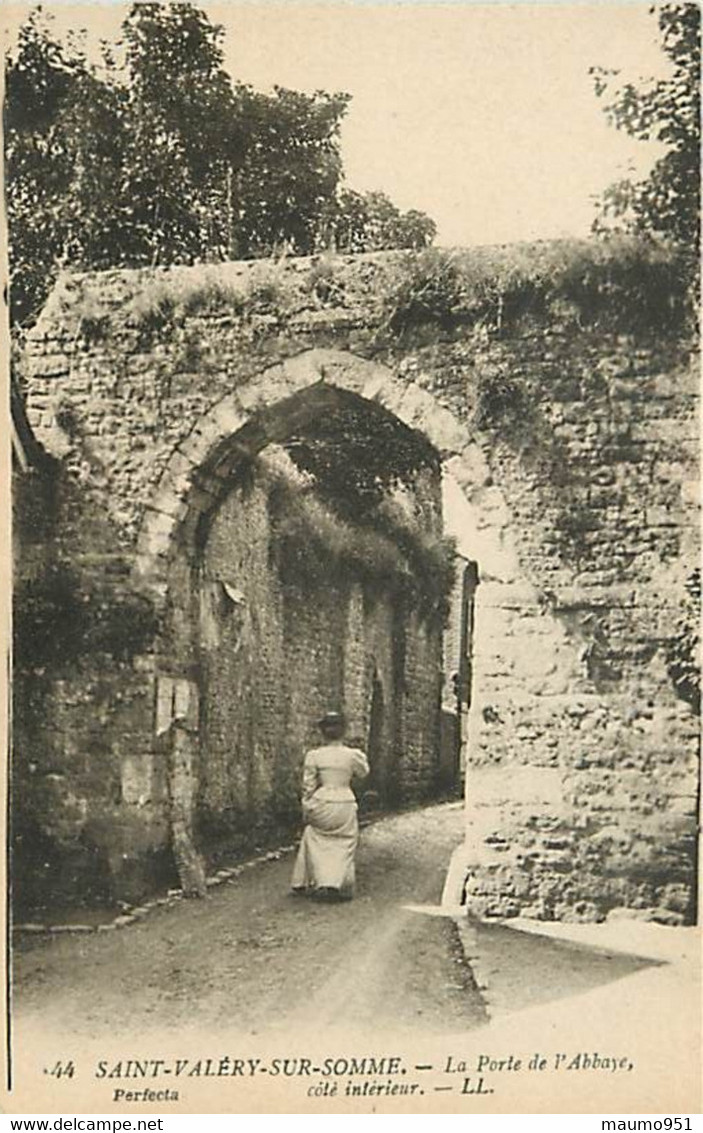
(667, 202)
(161, 158)
(291, 169)
(356, 457)
(370, 222)
(127, 167)
(42, 87)
(184, 133)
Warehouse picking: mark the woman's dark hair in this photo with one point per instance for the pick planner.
(332, 725)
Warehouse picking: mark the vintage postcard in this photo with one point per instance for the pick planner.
(352, 435)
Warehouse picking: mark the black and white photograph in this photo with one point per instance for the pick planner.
(353, 557)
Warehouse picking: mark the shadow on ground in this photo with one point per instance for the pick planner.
(524, 969)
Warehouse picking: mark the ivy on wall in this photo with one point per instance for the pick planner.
(62, 618)
(683, 651)
(356, 453)
(311, 545)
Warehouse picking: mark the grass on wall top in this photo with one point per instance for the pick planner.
(619, 284)
(622, 284)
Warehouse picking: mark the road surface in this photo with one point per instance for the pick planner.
(252, 957)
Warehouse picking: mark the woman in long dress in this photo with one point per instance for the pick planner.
(324, 867)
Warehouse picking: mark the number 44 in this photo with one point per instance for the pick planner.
(61, 1070)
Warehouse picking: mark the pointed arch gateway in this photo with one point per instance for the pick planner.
(198, 477)
(266, 408)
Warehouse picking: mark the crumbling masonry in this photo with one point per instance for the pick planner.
(146, 390)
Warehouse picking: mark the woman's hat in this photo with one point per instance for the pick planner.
(331, 720)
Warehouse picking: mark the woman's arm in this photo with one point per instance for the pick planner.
(360, 764)
(310, 777)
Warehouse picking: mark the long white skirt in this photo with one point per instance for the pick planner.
(327, 849)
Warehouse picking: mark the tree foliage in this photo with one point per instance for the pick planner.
(355, 458)
(291, 170)
(370, 222)
(154, 155)
(667, 202)
(362, 511)
(116, 165)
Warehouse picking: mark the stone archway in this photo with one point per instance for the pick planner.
(512, 628)
(582, 774)
(194, 473)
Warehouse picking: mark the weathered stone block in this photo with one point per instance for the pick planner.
(136, 778)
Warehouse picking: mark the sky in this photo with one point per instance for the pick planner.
(483, 116)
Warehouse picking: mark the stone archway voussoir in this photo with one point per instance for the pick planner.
(198, 444)
(469, 468)
(416, 406)
(155, 536)
(308, 368)
(277, 383)
(227, 417)
(386, 391)
(442, 429)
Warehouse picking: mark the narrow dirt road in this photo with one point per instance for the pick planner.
(252, 957)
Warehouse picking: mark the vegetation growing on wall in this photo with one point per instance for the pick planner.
(158, 311)
(683, 652)
(61, 618)
(620, 284)
(356, 458)
(162, 307)
(312, 544)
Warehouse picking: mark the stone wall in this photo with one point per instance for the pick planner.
(83, 707)
(276, 655)
(242, 658)
(572, 671)
(569, 446)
